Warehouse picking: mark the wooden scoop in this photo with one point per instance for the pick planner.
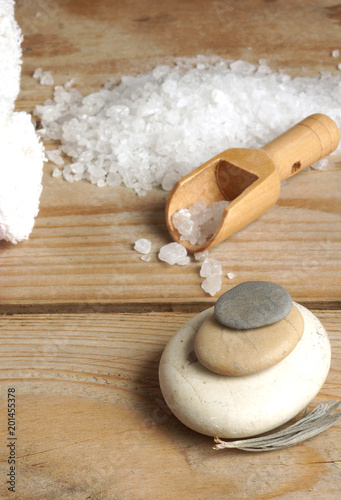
(251, 178)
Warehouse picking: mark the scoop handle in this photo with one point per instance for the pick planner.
(305, 143)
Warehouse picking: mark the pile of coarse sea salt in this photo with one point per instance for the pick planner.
(152, 129)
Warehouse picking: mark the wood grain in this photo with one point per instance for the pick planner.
(92, 423)
(80, 255)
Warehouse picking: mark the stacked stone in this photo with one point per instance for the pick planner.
(246, 366)
(254, 326)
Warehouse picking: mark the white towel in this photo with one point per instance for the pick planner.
(21, 152)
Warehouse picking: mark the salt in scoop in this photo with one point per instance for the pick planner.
(250, 179)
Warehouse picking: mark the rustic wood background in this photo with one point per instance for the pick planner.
(84, 321)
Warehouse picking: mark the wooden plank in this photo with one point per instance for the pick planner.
(91, 421)
(79, 256)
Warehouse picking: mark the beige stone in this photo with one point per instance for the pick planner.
(232, 352)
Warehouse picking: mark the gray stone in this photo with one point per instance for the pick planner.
(253, 304)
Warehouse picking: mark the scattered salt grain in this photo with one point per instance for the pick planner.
(146, 258)
(184, 261)
(198, 222)
(231, 276)
(143, 245)
(44, 77)
(152, 129)
(174, 253)
(37, 73)
(55, 156)
(336, 53)
(320, 165)
(69, 83)
(57, 172)
(200, 256)
(211, 285)
(211, 269)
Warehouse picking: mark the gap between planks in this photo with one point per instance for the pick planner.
(137, 307)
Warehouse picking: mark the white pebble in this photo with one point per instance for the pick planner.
(143, 245)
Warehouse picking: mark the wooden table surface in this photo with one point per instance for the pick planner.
(84, 321)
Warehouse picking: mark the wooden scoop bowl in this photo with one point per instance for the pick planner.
(251, 178)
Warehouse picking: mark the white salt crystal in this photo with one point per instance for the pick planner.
(169, 181)
(69, 83)
(210, 267)
(143, 245)
(44, 77)
(197, 207)
(198, 222)
(57, 172)
(320, 165)
(146, 258)
(180, 216)
(242, 67)
(201, 256)
(184, 261)
(77, 167)
(212, 284)
(55, 156)
(336, 53)
(113, 179)
(173, 253)
(37, 73)
(231, 275)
